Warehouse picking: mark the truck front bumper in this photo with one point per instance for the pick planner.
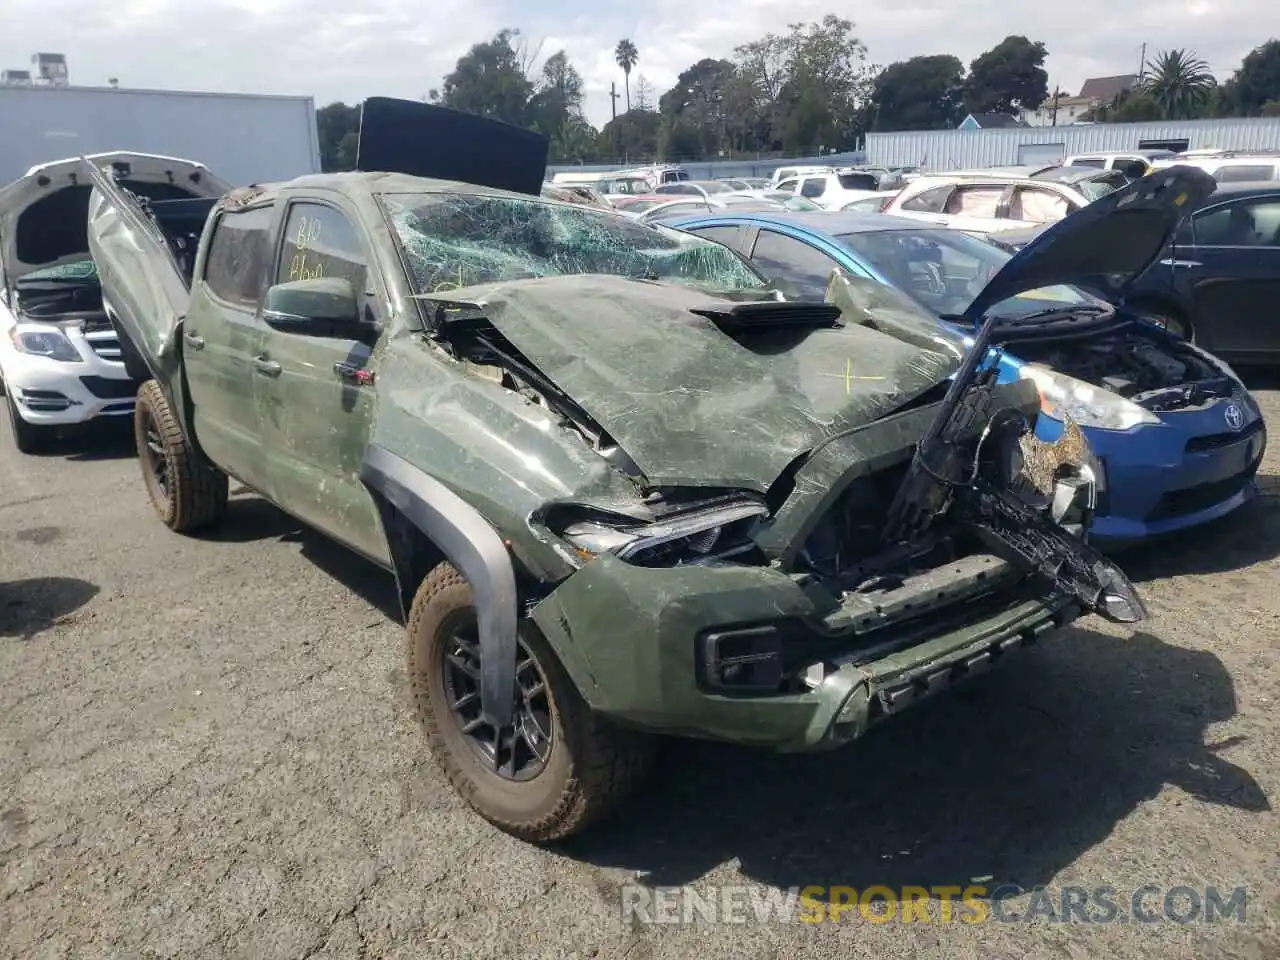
(633, 640)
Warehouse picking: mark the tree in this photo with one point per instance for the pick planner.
(490, 80)
(1007, 78)
(627, 56)
(629, 136)
(1257, 82)
(644, 93)
(923, 93)
(338, 132)
(1179, 82)
(694, 122)
(556, 109)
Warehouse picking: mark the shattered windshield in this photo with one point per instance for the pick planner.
(460, 240)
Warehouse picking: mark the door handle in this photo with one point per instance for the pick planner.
(351, 373)
(266, 367)
(193, 340)
(1167, 262)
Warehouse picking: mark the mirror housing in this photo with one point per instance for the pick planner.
(324, 306)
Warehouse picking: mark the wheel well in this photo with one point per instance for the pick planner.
(413, 554)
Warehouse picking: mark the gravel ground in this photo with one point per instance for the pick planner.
(206, 752)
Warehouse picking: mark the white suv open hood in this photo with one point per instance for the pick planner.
(71, 243)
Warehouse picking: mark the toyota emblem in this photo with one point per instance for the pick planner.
(1234, 417)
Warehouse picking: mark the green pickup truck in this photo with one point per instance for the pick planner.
(626, 489)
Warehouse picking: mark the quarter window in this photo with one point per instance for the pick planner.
(321, 242)
(1038, 206)
(239, 251)
(725, 235)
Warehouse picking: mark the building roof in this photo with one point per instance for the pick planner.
(1108, 88)
(992, 121)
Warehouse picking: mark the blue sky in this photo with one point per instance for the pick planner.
(401, 48)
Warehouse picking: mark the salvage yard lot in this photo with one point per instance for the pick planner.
(206, 751)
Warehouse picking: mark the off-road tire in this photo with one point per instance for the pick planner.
(27, 437)
(195, 496)
(594, 765)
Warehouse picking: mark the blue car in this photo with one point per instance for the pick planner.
(1178, 435)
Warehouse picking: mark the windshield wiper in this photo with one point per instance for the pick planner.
(1067, 310)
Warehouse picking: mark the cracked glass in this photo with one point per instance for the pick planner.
(461, 240)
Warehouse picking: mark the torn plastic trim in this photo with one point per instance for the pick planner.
(469, 543)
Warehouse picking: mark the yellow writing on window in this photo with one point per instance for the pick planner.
(308, 233)
(300, 269)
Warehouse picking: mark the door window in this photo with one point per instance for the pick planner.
(1244, 174)
(931, 201)
(725, 235)
(787, 186)
(320, 241)
(814, 187)
(1038, 206)
(1097, 162)
(975, 201)
(236, 265)
(805, 269)
(1245, 223)
(1132, 167)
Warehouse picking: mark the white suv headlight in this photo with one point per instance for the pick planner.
(1062, 396)
(44, 341)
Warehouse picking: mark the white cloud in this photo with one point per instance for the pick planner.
(336, 50)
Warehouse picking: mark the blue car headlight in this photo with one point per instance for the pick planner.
(41, 341)
(1062, 396)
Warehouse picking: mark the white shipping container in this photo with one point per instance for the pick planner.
(242, 138)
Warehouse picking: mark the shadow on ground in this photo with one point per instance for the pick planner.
(104, 439)
(29, 606)
(251, 518)
(1011, 778)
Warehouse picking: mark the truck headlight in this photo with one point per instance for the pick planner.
(686, 538)
(40, 341)
(1087, 405)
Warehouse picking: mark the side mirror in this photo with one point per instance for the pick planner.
(323, 306)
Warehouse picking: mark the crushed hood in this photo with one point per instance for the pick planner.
(1104, 246)
(694, 401)
(44, 214)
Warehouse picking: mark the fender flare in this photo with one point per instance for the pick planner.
(469, 543)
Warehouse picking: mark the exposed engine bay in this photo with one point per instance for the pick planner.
(1140, 367)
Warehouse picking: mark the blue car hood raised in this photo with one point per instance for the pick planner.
(1106, 245)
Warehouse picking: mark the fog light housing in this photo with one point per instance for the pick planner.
(743, 660)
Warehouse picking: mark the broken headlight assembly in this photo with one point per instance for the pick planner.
(693, 537)
(1062, 396)
(40, 341)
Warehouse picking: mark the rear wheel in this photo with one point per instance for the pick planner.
(558, 769)
(187, 491)
(27, 437)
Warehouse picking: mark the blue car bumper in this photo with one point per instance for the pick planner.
(1189, 469)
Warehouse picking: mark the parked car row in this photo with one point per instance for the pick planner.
(757, 475)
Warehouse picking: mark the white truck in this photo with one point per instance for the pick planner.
(247, 138)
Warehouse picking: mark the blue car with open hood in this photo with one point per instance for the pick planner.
(1178, 436)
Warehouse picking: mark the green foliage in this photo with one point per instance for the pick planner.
(1180, 83)
(1257, 83)
(923, 93)
(1007, 78)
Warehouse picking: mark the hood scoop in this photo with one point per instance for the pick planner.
(771, 315)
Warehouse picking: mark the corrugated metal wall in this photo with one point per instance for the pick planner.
(710, 170)
(241, 138)
(959, 149)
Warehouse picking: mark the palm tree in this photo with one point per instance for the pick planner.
(1179, 82)
(626, 54)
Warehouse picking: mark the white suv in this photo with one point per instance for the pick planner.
(834, 189)
(987, 201)
(60, 359)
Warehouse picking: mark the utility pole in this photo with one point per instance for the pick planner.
(1142, 64)
(1053, 116)
(613, 99)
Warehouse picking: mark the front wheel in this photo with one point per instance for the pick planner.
(187, 491)
(558, 769)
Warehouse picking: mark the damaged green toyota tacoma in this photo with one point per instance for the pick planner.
(624, 487)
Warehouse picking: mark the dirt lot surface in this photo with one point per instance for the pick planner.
(206, 751)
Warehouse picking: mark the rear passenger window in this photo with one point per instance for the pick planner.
(1097, 162)
(815, 187)
(239, 258)
(1245, 174)
(931, 201)
(975, 201)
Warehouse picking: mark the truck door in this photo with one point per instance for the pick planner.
(318, 403)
